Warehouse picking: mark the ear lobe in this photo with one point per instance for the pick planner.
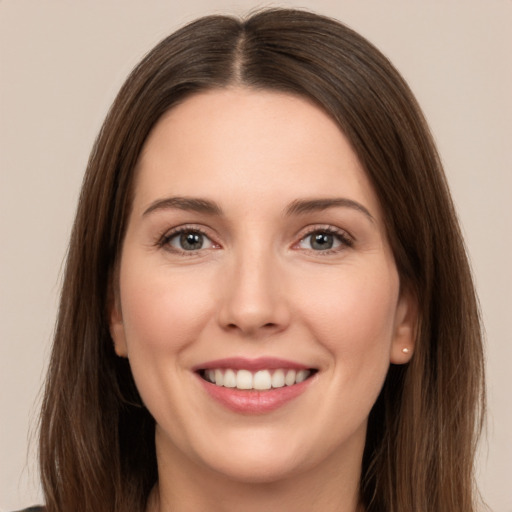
(405, 329)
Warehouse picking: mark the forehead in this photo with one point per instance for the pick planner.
(249, 144)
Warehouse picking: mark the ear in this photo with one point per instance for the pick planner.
(405, 328)
(116, 325)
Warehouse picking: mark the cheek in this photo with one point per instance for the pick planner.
(163, 311)
(163, 314)
(353, 320)
(352, 315)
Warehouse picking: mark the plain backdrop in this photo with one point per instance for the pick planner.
(62, 63)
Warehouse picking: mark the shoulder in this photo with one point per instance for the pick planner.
(32, 509)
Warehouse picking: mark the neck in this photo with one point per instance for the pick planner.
(185, 486)
(280, 496)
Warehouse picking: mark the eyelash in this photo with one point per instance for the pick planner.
(163, 241)
(345, 240)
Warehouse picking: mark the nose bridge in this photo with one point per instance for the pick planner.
(254, 298)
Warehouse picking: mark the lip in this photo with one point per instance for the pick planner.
(253, 365)
(253, 402)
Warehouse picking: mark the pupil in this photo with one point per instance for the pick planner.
(191, 241)
(322, 241)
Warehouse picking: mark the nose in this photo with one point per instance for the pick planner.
(254, 302)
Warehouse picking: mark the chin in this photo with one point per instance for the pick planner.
(259, 470)
(260, 457)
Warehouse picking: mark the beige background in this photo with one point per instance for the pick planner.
(62, 63)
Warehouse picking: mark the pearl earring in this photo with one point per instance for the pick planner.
(405, 350)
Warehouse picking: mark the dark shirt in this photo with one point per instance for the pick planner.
(32, 509)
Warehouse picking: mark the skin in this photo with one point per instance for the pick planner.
(258, 287)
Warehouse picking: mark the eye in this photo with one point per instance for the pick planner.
(188, 240)
(325, 240)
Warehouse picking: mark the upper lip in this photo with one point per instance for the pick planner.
(260, 363)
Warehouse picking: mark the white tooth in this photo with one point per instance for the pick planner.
(219, 378)
(230, 379)
(210, 375)
(262, 380)
(244, 379)
(289, 380)
(278, 379)
(302, 375)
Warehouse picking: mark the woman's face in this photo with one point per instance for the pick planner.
(256, 256)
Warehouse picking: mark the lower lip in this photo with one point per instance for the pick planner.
(254, 401)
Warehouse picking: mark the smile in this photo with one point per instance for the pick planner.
(254, 386)
(255, 380)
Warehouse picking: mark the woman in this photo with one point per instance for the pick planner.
(267, 303)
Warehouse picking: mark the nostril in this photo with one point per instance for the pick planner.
(250, 329)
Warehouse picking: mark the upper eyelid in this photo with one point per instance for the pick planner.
(163, 242)
(185, 227)
(169, 234)
(308, 230)
(345, 238)
(214, 238)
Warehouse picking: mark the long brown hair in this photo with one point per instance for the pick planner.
(97, 440)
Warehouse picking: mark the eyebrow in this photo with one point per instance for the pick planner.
(314, 205)
(297, 207)
(185, 203)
